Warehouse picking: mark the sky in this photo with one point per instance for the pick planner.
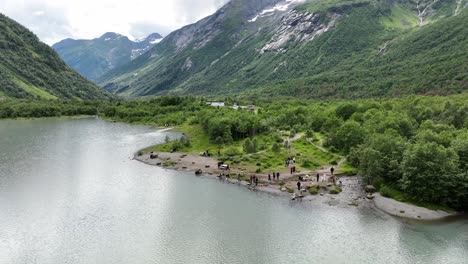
(54, 20)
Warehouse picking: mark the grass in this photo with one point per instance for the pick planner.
(346, 169)
(335, 190)
(308, 156)
(34, 90)
(314, 189)
(308, 152)
(325, 5)
(390, 192)
(400, 18)
(169, 163)
(199, 141)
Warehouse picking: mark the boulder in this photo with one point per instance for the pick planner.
(370, 189)
(370, 196)
(198, 172)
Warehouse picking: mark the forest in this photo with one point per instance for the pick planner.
(414, 147)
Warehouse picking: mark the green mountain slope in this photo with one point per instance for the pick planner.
(329, 48)
(31, 69)
(93, 58)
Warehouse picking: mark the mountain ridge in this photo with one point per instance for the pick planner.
(30, 69)
(314, 49)
(94, 57)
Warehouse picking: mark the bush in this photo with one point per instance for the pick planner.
(314, 190)
(276, 147)
(232, 151)
(335, 190)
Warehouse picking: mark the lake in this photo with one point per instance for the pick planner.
(71, 193)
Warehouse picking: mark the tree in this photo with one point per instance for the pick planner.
(428, 170)
(460, 145)
(381, 156)
(254, 145)
(276, 147)
(349, 135)
(248, 146)
(346, 110)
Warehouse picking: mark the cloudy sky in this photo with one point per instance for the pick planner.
(54, 20)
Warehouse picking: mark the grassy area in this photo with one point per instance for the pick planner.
(309, 156)
(34, 90)
(346, 169)
(199, 141)
(325, 5)
(390, 192)
(400, 18)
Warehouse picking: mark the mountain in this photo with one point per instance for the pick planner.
(326, 48)
(30, 69)
(93, 58)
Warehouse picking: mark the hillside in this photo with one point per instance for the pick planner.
(331, 48)
(93, 58)
(30, 69)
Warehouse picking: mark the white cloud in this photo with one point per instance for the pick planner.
(54, 20)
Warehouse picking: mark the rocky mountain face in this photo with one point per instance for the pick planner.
(327, 48)
(93, 58)
(29, 69)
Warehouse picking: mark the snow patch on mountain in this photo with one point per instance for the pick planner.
(299, 27)
(155, 41)
(283, 6)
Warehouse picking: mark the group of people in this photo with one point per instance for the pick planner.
(293, 169)
(253, 180)
(276, 176)
(290, 161)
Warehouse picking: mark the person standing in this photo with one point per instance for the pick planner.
(318, 177)
(332, 170)
(298, 185)
(269, 177)
(256, 180)
(277, 176)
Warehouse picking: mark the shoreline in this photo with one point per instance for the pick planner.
(352, 195)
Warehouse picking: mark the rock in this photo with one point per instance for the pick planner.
(207, 166)
(158, 164)
(370, 189)
(370, 196)
(198, 172)
(283, 189)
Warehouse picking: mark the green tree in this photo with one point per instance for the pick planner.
(381, 156)
(349, 135)
(460, 145)
(428, 170)
(276, 147)
(248, 146)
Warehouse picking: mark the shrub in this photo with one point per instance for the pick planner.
(385, 191)
(232, 151)
(306, 163)
(314, 190)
